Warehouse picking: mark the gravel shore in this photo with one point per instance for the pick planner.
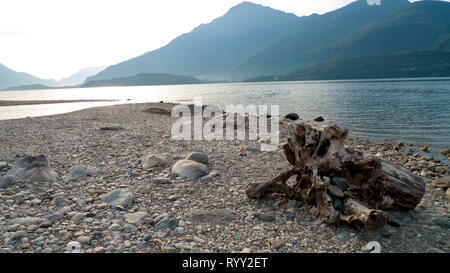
(160, 213)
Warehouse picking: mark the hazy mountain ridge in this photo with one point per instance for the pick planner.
(12, 80)
(9, 78)
(144, 79)
(252, 40)
(404, 27)
(400, 65)
(246, 42)
(29, 87)
(80, 76)
(423, 25)
(213, 49)
(314, 41)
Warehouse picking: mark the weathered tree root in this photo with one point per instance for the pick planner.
(347, 186)
(278, 184)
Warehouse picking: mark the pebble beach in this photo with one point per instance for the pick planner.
(114, 192)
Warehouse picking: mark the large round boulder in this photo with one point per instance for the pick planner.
(189, 169)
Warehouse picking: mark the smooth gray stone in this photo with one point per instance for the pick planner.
(78, 172)
(189, 169)
(154, 160)
(198, 157)
(166, 222)
(341, 182)
(121, 197)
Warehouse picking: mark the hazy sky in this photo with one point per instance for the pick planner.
(56, 38)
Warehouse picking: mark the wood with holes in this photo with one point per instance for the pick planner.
(320, 159)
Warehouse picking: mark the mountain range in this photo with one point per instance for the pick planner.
(212, 50)
(13, 80)
(79, 77)
(9, 78)
(399, 65)
(358, 30)
(252, 40)
(144, 79)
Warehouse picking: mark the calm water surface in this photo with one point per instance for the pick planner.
(415, 111)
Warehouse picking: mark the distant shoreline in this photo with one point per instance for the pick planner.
(33, 102)
(269, 80)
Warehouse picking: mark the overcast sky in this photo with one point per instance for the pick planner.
(56, 38)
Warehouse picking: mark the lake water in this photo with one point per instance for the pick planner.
(415, 111)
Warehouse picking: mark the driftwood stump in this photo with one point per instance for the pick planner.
(346, 185)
